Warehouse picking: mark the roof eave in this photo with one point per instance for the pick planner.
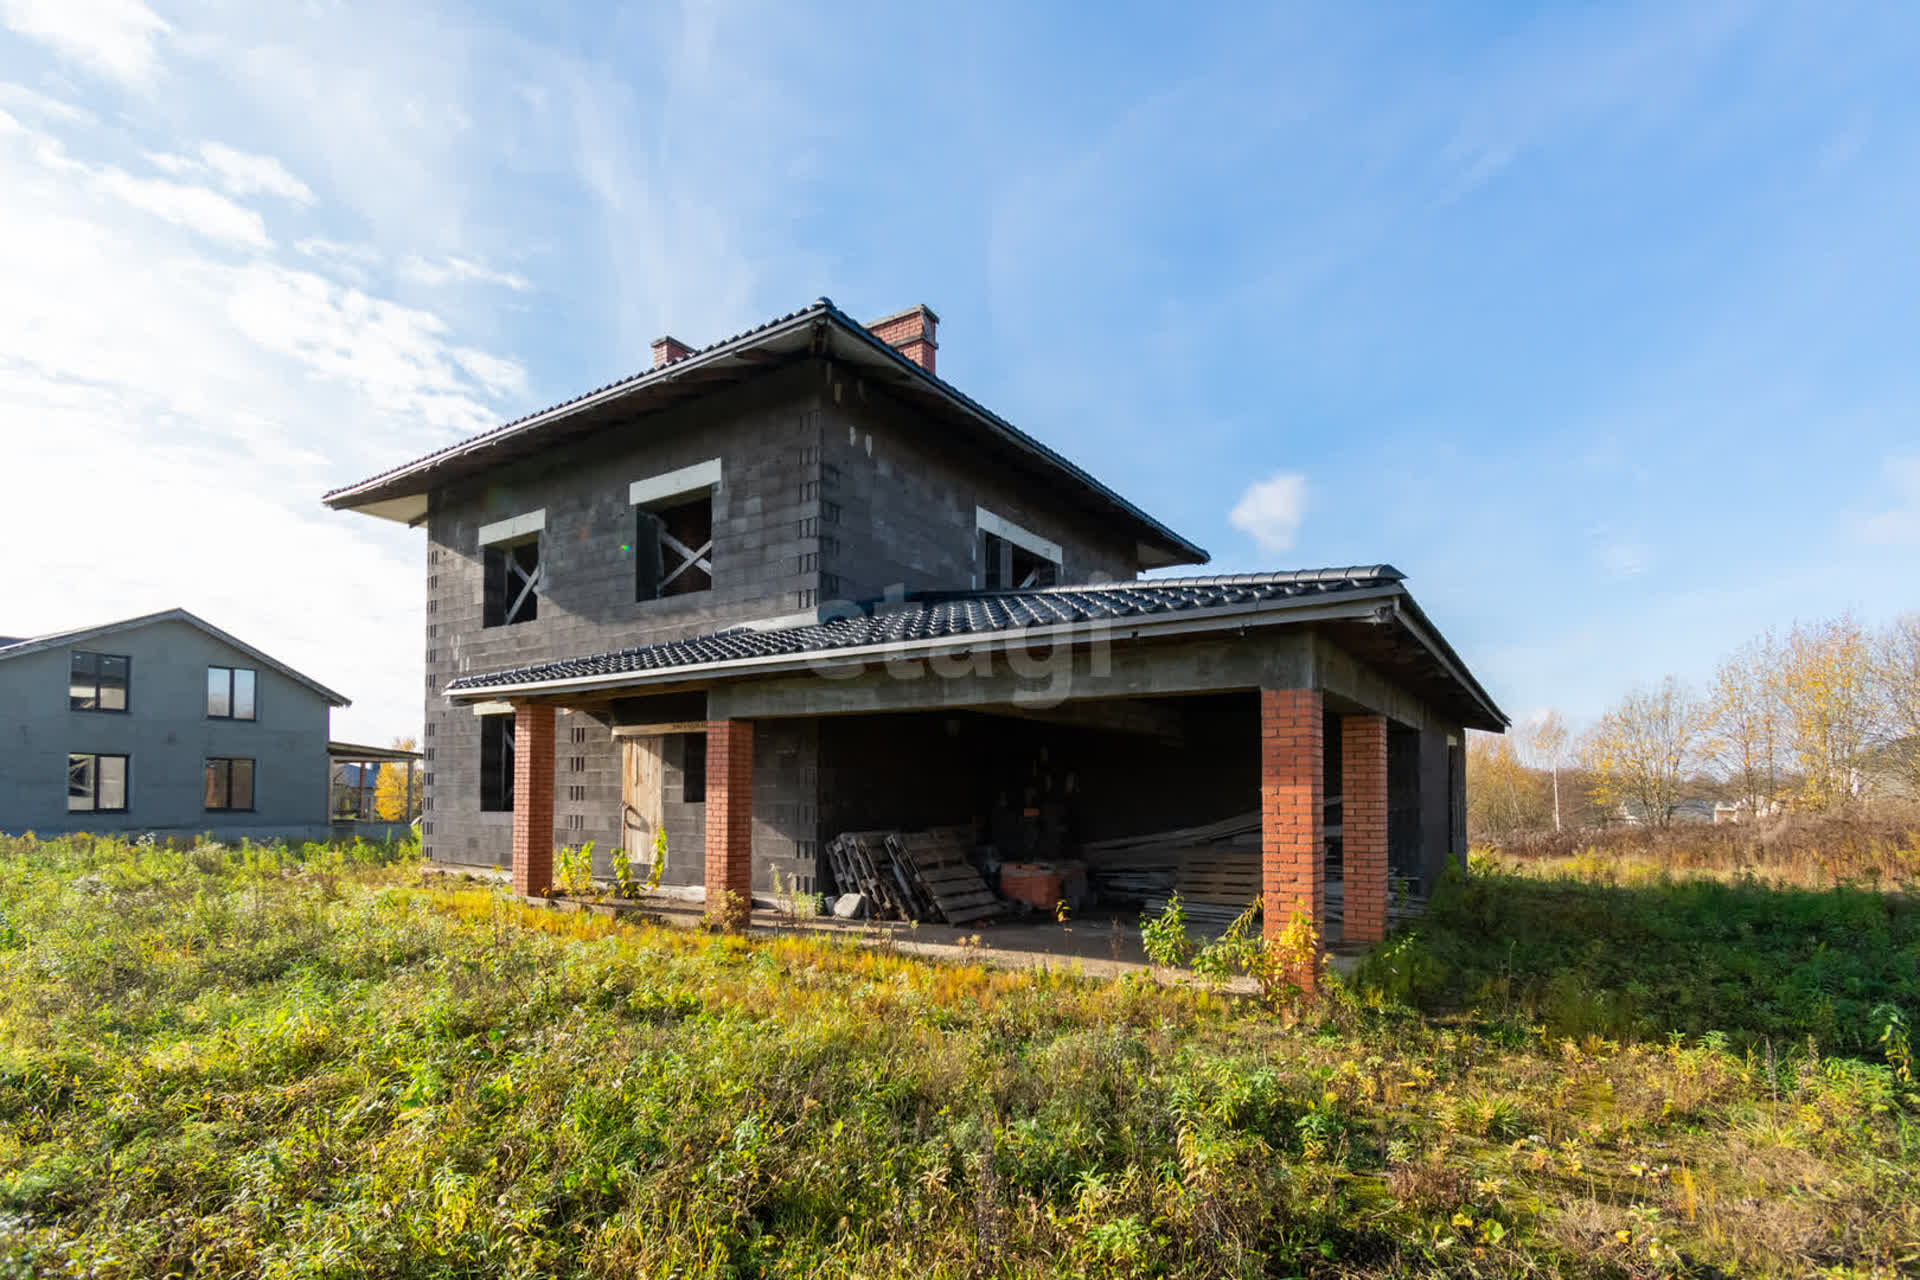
(1360, 603)
(1418, 625)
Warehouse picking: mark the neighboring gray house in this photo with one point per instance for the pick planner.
(796, 584)
(160, 723)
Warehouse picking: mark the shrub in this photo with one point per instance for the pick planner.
(625, 885)
(1164, 937)
(573, 868)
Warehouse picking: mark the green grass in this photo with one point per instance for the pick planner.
(226, 1062)
(1583, 949)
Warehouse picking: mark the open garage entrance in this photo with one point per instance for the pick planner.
(1106, 808)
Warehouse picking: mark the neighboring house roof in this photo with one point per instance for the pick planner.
(61, 639)
(822, 328)
(935, 620)
(354, 751)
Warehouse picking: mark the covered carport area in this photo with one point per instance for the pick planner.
(1325, 707)
(1045, 751)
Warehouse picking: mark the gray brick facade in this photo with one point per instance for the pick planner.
(831, 491)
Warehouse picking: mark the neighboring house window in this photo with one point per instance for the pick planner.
(96, 784)
(1012, 558)
(230, 693)
(99, 681)
(510, 566)
(673, 531)
(229, 784)
(496, 763)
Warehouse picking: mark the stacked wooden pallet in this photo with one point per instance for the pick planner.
(863, 864)
(921, 875)
(945, 883)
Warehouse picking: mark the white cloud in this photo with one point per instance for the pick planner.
(1618, 555)
(460, 271)
(198, 209)
(245, 174)
(203, 403)
(1271, 510)
(1898, 525)
(337, 250)
(195, 208)
(112, 38)
(397, 357)
(1622, 559)
(25, 99)
(242, 173)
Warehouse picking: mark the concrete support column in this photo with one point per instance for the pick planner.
(730, 819)
(1292, 840)
(532, 799)
(1363, 817)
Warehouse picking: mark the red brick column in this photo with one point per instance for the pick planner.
(1363, 818)
(532, 799)
(730, 818)
(1293, 844)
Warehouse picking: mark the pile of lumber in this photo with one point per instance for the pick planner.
(923, 875)
(1215, 868)
(1217, 884)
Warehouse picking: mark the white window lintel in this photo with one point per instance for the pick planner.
(1001, 527)
(513, 528)
(675, 484)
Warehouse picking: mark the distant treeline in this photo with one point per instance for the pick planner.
(1824, 718)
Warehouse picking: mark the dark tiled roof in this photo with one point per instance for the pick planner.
(412, 476)
(508, 428)
(937, 616)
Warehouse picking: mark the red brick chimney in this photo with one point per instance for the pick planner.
(667, 350)
(909, 332)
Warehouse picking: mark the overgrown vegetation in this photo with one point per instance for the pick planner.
(233, 1061)
(1600, 944)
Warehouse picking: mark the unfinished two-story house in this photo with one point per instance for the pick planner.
(794, 584)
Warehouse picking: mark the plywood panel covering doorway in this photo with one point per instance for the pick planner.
(642, 795)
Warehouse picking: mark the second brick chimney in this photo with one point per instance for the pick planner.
(667, 350)
(909, 332)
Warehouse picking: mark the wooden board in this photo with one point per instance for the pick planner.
(642, 795)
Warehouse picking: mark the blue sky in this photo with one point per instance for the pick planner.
(1598, 321)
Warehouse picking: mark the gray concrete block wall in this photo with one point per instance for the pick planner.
(786, 800)
(765, 518)
(686, 823)
(908, 504)
(167, 738)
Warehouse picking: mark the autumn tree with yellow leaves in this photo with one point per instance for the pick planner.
(1641, 752)
(1503, 794)
(1830, 706)
(393, 799)
(1897, 675)
(1746, 730)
